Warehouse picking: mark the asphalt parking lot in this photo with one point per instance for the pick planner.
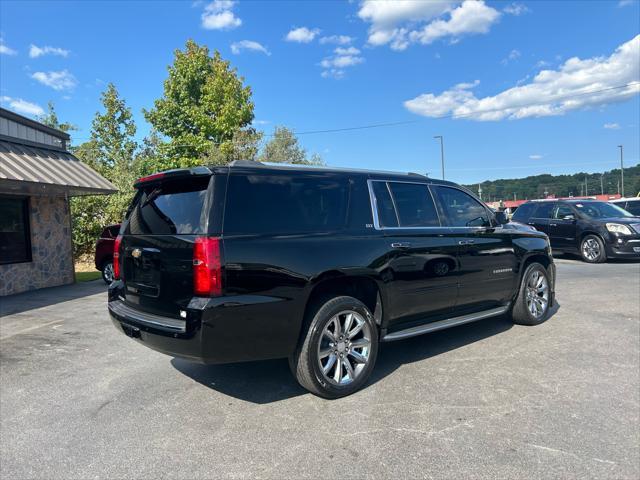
(486, 400)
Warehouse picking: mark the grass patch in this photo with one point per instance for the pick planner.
(87, 276)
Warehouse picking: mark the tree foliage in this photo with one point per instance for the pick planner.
(285, 148)
(204, 105)
(111, 152)
(561, 185)
(50, 119)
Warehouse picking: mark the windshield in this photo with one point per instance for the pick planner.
(601, 210)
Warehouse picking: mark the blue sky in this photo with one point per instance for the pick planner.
(515, 88)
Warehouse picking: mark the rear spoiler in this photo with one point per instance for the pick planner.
(172, 174)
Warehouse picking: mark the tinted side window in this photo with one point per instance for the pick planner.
(170, 208)
(386, 211)
(633, 207)
(285, 204)
(461, 209)
(523, 212)
(414, 205)
(562, 211)
(544, 210)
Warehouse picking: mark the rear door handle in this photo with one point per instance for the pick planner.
(402, 245)
(466, 242)
(553, 224)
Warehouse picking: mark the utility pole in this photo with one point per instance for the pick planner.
(441, 152)
(621, 171)
(602, 183)
(586, 187)
(514, 196)
(479, 190)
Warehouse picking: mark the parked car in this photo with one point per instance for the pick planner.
(595, 230)
(104, 252)
(631, 205)
(318, 265)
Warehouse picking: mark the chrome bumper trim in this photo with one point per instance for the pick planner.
(149, 319)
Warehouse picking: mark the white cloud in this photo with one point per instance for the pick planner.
(611, 126)
(218, 15)
(22, 106)
(625, 3)
(513, 55)
(516, 9)
(35, 52)
(237, 47)
(536, 156)
(403, 22)
(302, 35)
(576, 84)
(62, 80)
(337, 39)
(343, 57)
(5, 49)
(469, 18)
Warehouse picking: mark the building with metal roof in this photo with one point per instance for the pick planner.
(38, 175)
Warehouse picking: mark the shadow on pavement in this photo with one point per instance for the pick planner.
(271, 381)
(44, 297)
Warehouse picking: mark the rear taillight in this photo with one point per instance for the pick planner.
(207, 267)
(116, 258)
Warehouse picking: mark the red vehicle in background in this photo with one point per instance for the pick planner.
(104, 252)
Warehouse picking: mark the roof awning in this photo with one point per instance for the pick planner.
(40, 171)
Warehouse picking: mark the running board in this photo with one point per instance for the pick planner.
(442, 324)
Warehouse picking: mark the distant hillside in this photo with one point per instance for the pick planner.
(560, 185)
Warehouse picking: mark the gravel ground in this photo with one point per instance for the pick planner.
(485, 400)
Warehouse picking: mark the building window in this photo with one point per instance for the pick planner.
(15, 243)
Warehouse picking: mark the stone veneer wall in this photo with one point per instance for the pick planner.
(51, 249)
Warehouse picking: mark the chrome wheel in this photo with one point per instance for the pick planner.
(537, 296)
(591, 249)
(344, 347)
(107, 272)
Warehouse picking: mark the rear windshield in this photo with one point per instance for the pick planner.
(169, 208)
(285, 204)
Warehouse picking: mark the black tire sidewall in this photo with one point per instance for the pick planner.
(601, 258)
(523, 293)
(322, 317)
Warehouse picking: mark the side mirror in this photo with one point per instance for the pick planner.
(501, 218)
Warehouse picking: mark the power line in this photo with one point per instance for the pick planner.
(439, 117)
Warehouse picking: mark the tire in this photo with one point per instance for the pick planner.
(107, 272)
(534, 278)
(592, 249)
(318, 373)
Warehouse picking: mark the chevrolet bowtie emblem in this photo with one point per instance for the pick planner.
(136, 253)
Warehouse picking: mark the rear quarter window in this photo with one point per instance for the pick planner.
(523, 213)
(285, 204)
(169, 208)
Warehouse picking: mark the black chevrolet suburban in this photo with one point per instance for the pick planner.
(318, 265)
(593, 229)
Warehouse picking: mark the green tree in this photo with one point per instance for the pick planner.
(285, 148)
(50, 119)
(244, 145)
(205, 103)
(112, 152)
(114, 130)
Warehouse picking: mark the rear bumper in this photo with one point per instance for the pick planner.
(624, 247)
(213, 330)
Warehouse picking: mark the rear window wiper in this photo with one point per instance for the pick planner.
(151, 197)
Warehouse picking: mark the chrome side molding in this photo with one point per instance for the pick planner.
(442, 324)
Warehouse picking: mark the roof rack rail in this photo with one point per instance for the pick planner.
(246, 163)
